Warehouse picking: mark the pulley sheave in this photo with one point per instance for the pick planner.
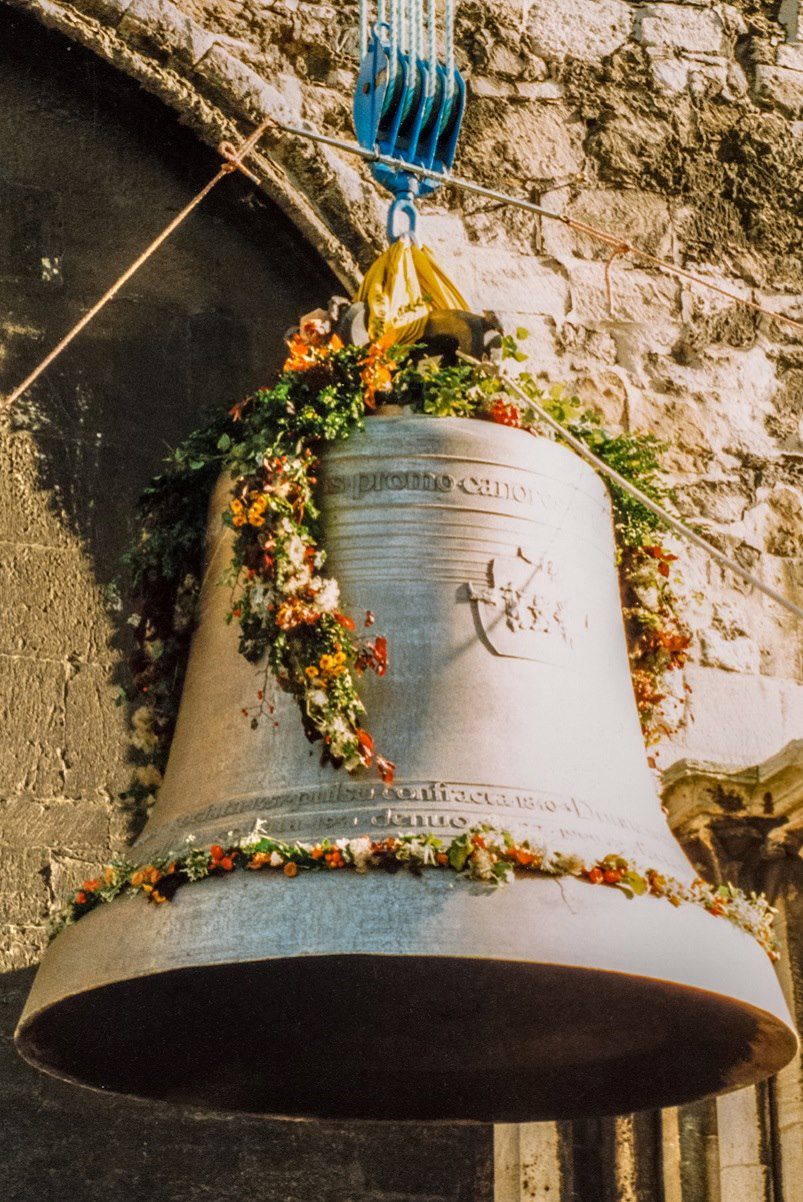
(408, 106)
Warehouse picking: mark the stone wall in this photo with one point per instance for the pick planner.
(90, 169)
(675, 125)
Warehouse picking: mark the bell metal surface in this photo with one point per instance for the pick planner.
(487, 557)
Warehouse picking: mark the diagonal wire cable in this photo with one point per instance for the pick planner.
(466, 185)
(234, 161)
(674, 524)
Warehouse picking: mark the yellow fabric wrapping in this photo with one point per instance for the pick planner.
(402, 288)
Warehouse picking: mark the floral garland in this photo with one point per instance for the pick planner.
(482, 854)
(286, 607)
(288, 611)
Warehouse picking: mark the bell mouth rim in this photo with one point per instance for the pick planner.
(510, 987)
(777, 1041)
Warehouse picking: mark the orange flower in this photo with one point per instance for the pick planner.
(386, 769)
(90, 886)
(594, 875)
(220, 859)
(303, 355)
(505, 414)
(80, 897)
(293, 613)
(291, 868)
(145, 877)
(365, 744)
(377, 370)
(259, 859)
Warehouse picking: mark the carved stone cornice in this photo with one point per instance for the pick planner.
(730, 820)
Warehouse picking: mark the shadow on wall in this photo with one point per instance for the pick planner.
(91, 168)
(67, 1144)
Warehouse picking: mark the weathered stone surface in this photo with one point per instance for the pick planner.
(519, 283)
(784, 87)
(227, 73)
(32, 723)
(665, 140)
(557, 33)
(514, 144)
(636, 296)
(720, 702)
(638, 217)
(681, 27)
(790, 56)
(161, 23)
(76, 826)
(93, 725)
(731, 651)
(35, 585)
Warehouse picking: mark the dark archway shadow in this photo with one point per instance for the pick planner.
(61, 1143)
(91, 168)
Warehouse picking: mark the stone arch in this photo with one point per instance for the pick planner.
(204, 76)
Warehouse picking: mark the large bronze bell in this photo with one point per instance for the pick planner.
(487, 556)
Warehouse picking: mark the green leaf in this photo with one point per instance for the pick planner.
(459, 853)
(224, 442)
(635, 881)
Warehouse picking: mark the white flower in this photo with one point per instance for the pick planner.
(360, 852)
(317, 698)
(342, 742)
(482, 865)
(276, 860)
(255, 835)
(328, 596)
(296, 549)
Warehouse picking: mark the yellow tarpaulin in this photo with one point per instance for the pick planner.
(402, 288)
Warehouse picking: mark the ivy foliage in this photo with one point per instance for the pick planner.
(270, 444)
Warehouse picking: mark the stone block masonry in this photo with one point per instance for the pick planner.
(676, 125)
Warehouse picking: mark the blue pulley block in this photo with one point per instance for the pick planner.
(406, 111)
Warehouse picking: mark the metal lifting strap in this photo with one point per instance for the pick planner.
(408, 105)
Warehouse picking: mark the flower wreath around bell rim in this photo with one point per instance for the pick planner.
(289, 616)
(483, 854)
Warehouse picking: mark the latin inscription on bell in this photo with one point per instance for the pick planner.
(485, 556)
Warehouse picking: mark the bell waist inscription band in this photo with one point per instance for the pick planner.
(354, 808)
